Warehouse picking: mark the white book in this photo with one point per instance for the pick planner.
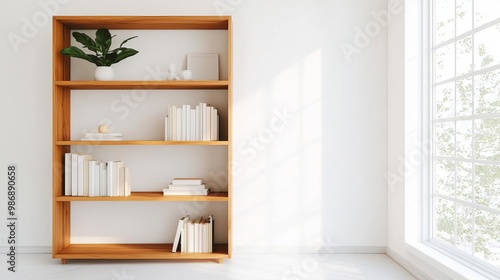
(190, 236)
(167, 129)
(187, 181)
(67, 173)
(97, 178)
(74, 174)
(185, 192)
(213, 126)
(187, 125)
(83, 174)
(211, 229)
(91, 188)
(178, 233)
(186, 187)
(208, 123)
(197, 123)
(184, 236)
(121, 179)
(203, 121)
(197, 235)
(173, 121)
(103, 179)
(128, 189)
(110, 178)
(204, 234)
(179, 124)
(105, 135)
(192, 125)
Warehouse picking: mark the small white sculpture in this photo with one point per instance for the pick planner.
(102, 128)
(172, 72)
(187, 75)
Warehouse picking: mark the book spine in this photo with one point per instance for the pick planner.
(74, 174)
(67, 173)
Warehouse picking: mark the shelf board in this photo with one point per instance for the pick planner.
(136, 251)
(145, 22)
(142, 142)
(143, 84)
(149, 196)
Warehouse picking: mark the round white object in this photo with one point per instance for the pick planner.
(102, 128)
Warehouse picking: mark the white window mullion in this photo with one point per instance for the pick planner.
(473, 148)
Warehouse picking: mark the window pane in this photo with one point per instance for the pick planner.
(445, 220)
(445, 101)
(464, 56)
(445, 20)
(487, 47)
(485, 11)
(487, 187)
(464, 16)
(487, 237)
(487, 93)
(464, 181)
(464, 139)
(445, 62)
(464, 228)
(445, 177)
(464, 97)
(487, 139)
(445, 139)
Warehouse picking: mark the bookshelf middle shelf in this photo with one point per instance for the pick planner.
(141, 142)
(149, 196)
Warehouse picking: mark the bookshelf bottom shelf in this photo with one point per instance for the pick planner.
(137, 252)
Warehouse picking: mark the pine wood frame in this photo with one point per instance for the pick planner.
(61, 144)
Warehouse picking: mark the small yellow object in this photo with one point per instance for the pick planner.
(102, 128)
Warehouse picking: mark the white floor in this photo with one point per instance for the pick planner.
(241, 266)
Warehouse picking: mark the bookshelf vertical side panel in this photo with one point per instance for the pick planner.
(61, 131)
(229, 134)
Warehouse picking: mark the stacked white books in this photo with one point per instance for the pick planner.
(186, 186)
(187, 123)
(195, 235)
(84, 176)
(102, 137)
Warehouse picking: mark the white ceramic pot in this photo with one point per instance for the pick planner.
(104, 73)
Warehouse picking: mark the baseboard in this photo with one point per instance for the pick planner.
(310, 250)
(415, 271)
(28, 250)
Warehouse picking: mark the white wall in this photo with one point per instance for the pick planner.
(316, 181)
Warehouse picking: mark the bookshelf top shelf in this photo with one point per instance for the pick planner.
(143, 84)
(145, 22)
(141, 143)
(149, 196)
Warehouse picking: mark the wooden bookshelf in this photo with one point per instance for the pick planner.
(63, 86)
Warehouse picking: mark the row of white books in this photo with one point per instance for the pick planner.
(194, 235)
(187, 123)
(186, 186)
(102, 137)
(84, 176)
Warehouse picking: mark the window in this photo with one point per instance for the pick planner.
(465, 129)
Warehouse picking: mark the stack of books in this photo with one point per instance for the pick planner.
(194, 235)
(102, 137)
(84, 176)
(186, 186)
(192, 123)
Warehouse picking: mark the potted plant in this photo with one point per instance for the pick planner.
(103, 57)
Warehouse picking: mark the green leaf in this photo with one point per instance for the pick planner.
(76, 52)
(127, 40)
(124, 54)
(85, 40)
(103, 38)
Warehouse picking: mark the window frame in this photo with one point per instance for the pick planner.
(427, 194)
